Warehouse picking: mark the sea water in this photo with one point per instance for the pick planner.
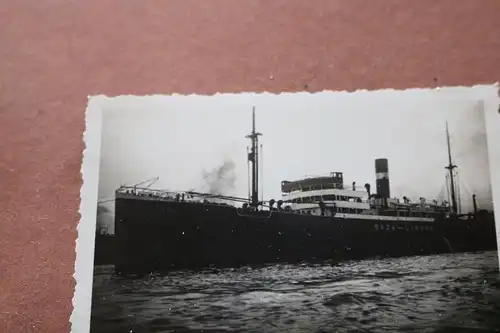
(441, 293)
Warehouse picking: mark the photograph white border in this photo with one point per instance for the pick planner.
(84, 264)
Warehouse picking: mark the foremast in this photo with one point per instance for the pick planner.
(253, 157)
(450, 167)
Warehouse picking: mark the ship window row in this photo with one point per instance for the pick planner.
(394, 227)
(409, 213)
(343, 210)
(330, 197)
(306, 211)
(327, 186)
(394, 213)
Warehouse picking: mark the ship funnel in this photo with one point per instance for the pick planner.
(382, 175)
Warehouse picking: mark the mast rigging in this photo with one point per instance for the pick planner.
(253, 157)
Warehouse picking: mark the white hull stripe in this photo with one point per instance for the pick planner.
(381, 175)
(385, 218)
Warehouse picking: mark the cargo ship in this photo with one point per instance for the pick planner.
(317, 219)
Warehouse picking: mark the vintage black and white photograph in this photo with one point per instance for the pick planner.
(367, 211)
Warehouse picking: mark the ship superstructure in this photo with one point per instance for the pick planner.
(327, 195)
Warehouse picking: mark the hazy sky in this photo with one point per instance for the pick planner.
(177, 138)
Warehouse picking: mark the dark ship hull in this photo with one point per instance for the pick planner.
(104, 250)
(158, 235)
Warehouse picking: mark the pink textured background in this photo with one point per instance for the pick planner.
(55, 53)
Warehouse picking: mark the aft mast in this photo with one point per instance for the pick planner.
(253, 157)
(450, 167)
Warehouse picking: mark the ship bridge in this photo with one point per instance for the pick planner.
(305, 194)
(317, 188)
(334, 180)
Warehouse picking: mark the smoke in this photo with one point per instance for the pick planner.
(221, 180)
(102, 209)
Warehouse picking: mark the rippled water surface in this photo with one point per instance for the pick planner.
(446, 293)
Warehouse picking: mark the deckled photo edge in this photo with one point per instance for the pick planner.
(80, 317)
(476, 91)
(84, 246)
